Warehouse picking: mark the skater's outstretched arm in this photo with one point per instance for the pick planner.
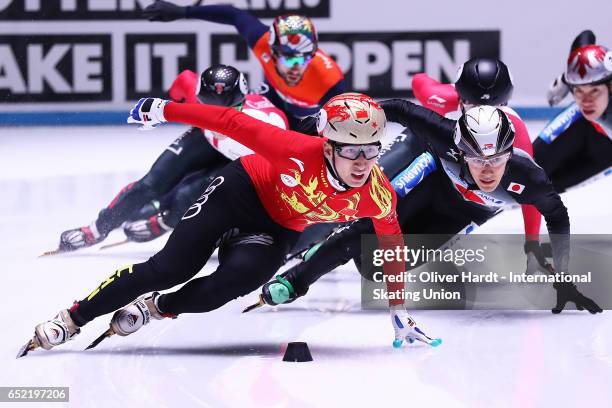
(246, 24)
(438, 129)
(267, 140)
(543, 196)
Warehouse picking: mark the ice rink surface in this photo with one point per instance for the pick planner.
(56, 178)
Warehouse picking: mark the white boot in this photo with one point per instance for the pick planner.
(57, 331)
(132, 317)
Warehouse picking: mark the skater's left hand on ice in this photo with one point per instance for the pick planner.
(567, 292)
(536, 260)
(149, 112)
(406, 329)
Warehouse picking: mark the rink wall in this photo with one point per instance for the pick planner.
(85, 62)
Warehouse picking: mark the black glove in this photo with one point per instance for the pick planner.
(308, 126)
(536, 257)
(164, 11)
(567, 292)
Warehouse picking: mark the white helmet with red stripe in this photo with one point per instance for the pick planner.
(589, 65)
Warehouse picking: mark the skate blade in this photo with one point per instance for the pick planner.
(99, 340)
(254, 306)
(293, 256)
(114, 244)
(26, 348)
(53, 252)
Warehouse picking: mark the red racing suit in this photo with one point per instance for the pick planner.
(293, 183)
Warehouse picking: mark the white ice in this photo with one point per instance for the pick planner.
(56, 178)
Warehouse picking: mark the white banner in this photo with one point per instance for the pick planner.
(91, 55)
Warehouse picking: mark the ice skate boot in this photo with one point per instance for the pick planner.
(147, 229)
(52, 333)
(80, 238)
(132, 317)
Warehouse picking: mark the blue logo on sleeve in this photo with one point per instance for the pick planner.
(412, 175)
(560, 124)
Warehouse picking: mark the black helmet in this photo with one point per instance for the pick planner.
(222, 85)
(484, 81)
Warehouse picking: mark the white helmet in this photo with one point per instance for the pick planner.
(484, 131)
(352, 118)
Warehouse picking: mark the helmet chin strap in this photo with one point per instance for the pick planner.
(336, 181)
(465, 171)
(605, 120)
